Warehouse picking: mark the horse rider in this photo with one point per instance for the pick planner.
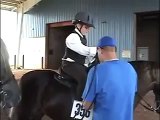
(77, 50)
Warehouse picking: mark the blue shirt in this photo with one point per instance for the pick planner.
(113, 88)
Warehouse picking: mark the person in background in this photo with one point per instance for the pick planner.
(111, 85)
(77, 50)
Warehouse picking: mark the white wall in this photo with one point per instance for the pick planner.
(9, 32)
(33, 50)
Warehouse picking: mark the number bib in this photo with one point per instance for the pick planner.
(79, 112)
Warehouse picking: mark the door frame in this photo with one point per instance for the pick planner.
(137, 18)
(50, 26)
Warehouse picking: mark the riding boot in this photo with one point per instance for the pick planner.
(80, 89)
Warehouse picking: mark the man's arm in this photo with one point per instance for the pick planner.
(90, 90)
(73, 42)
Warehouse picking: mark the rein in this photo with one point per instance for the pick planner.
(5, 82)
(147, 106)
(3, 93)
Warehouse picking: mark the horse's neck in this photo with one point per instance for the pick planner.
(147, 75)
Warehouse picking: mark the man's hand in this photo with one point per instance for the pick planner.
(87, 105)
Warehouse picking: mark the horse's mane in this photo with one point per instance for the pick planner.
(146, 64)
(4, 53)
(10, 92)
(152, 66)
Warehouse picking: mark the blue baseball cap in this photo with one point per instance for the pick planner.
(106, 41)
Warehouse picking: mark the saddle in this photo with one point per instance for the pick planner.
(64, 79)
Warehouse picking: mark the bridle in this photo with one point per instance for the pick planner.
(3, 93)
(4, 81)
(147, 105)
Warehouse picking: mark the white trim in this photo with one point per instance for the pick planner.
(111, 59)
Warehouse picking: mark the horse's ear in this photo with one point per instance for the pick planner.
(96, 60)
(96, 57)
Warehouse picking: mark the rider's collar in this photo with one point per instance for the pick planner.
(78, 32)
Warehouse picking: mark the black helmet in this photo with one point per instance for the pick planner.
(84, 18)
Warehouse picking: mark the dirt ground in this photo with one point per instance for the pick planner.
(140, 112)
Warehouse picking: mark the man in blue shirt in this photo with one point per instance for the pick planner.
(111, 85)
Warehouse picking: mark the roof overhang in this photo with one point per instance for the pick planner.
(15, 5)
(11, 5)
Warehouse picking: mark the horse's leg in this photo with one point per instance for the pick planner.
(36, 113)
(30, 114)
(36, 116)
(4, 114)
(58, 107)
(13, 114)
(57, 112)
(60, 117)
(28, 111)
(32, 87)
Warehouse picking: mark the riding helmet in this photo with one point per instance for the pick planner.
(83, 18)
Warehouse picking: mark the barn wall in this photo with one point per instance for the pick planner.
(112, 17)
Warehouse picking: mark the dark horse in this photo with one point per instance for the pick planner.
(9, 89)
(44, 94)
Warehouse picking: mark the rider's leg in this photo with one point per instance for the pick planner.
(78, 72)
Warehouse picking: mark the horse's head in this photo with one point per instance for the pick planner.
(156, 91)
(9, 89)
(156, 88)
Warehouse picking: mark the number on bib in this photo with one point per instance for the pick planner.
(79, 112)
